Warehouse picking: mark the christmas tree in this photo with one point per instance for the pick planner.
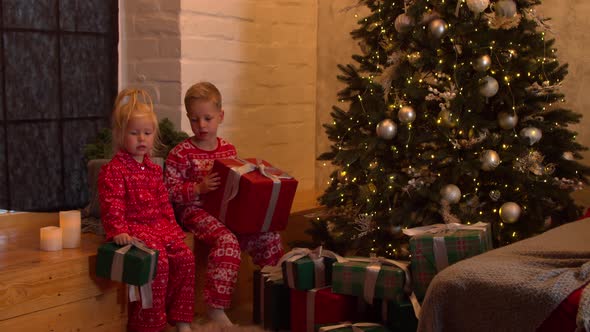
(454, 115)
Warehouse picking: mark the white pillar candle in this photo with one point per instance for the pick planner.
(70, 223)
(51, 238)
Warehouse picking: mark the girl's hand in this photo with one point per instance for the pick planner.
(122, 239)
(210, 182)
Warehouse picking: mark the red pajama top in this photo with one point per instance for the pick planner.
(186, 165)
(134, 200)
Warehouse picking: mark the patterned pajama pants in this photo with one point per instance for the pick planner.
(173, 289)
(224, 255)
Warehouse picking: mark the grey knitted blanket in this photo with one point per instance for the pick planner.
(513, 288)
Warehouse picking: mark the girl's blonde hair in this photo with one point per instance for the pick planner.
(133, 103)
(202, 91)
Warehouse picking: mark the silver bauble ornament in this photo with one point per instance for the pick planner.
(488, 86)
(445, 118)
(489, 160)
(482, 63)
(505, 8)
(403, 23)
(437, 28)
(510, 212)
(386, 129)
(477, 6)
(406, 114)
(507, 120)
(568, 155)
(451, 193)
(532, 134)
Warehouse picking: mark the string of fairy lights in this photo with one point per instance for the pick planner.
(449, 123)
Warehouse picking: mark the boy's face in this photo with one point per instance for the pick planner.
(205, 117)
(139, 137)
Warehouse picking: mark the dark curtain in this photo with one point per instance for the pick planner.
(59, 79)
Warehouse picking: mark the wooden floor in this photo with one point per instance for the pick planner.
(56, 291)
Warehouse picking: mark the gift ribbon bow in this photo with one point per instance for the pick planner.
(372, 272)
(356, 327)
(438, 242)
(232, 187)
(117, 272)
(316, 255)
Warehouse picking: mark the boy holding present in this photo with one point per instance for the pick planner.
(188, 177)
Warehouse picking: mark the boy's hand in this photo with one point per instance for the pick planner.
(122, 239)
(210, 182)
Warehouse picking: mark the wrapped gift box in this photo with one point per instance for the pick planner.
(398, 315)
(437, 246)
(351, 278)
(304, 273)
(131, 264)
(319, 306)
(349, 327)
(248, 201)
(272, 306)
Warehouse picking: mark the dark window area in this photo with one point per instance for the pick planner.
(59, 79)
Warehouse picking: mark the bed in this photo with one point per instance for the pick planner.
(520, 287)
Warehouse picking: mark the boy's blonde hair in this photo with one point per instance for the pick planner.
(202, 91)
(133, 103)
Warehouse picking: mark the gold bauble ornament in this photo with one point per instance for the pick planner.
(451, 193)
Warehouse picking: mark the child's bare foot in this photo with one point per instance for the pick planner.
(218, 316)
(183, 327)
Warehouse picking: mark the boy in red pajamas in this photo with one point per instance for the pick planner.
(188, 176)
(134, 204)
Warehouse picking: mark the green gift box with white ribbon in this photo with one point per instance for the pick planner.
(305, 269)
(134, 264)
(131, 264)
(435, 247)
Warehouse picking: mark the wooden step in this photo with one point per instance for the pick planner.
(53, 291)
(58, 291)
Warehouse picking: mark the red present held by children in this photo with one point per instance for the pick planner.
(253, 197)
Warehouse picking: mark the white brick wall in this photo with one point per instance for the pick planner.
(150, 52)
(262, 56)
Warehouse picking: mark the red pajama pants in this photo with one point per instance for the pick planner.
(224, 255)
(173, 289)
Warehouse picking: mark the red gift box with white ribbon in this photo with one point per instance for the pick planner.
(319, 306)
(253, 197)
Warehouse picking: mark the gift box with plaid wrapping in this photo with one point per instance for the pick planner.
(350, 278)
(304, 274)
(434, 248)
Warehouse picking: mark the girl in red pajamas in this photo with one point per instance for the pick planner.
(134, 204)
(187, 176)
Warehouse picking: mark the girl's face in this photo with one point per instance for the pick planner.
(205, 117)
(139, 137)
